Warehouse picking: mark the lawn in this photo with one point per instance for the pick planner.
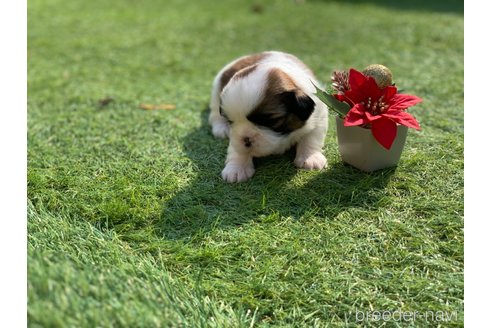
(130, 224)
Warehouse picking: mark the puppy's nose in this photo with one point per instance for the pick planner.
(247, 142)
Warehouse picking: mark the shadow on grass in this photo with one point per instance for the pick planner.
(450, 6)
(208, 202)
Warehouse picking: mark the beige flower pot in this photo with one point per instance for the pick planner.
(358, 147)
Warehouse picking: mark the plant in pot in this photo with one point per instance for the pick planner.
(372, 121)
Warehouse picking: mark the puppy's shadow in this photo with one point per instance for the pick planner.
(208, 202)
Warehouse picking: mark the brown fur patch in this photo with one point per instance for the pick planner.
(241, 64)
(245, 72)
(277, 83)
(275, 111)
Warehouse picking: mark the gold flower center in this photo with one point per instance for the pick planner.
(375, 107)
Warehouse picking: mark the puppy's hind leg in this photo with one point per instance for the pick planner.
(220, 126)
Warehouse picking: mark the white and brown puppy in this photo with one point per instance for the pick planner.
(265, 104)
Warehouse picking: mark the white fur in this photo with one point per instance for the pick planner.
(240, 96)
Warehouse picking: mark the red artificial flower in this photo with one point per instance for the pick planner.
(381, 109)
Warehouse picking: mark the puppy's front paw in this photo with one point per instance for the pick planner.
(237, 173)
(220, 129)
(314, 161)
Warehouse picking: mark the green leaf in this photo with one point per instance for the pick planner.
(333, 103)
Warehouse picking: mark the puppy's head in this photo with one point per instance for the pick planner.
(264, 106)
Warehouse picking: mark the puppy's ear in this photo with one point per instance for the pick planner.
(298, 103)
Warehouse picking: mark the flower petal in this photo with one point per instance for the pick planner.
(356, 79)
(359, 109)
(358, 87)
(355, 116)
(403, 101)
(372, 89)
(384, 131)
(403, 118)
(389, 92)
(371, 117)
(339, 96)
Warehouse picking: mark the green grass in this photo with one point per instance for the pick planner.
(129, 222)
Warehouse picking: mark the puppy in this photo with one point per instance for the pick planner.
(265, 104)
